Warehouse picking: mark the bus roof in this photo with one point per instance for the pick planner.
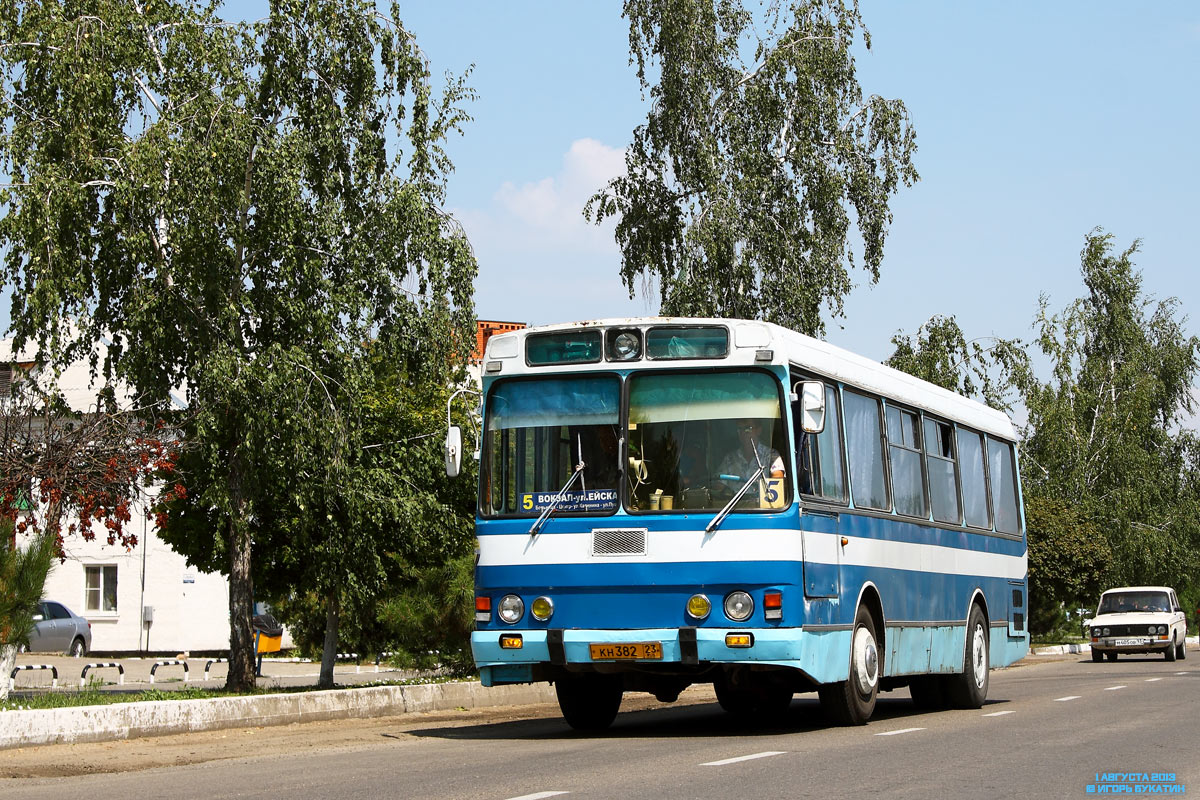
(789, 347)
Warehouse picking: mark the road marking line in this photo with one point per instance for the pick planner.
(725, 761)
(1152, 680)
(1183, 673)
(538, 796)
(902, 730)
(999, 713)
(1068, 697)
(1113, 688)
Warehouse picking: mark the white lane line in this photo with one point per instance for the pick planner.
(1183, 673)
(538, 796)
(1065, 699)
(725, 761)
(902, 730)
(1152, 680)
(1113, 688)
(999, 713)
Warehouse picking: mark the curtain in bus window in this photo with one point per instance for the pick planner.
(554, 402)
(908, 486)
(974, 480)
(941, 465)
(864, 449)
(829, 448)
(1004, 486)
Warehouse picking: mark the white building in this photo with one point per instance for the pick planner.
(142, 599)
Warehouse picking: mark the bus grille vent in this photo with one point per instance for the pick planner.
(619, 541)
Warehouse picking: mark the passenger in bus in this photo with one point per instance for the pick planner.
(750, 454)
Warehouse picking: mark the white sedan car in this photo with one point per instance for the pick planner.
(1139, 619)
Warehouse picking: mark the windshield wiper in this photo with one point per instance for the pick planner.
(724, 512)
(557, 499)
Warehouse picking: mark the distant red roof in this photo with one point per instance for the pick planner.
(486, 329)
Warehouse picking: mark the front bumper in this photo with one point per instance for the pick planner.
(1131, 644)
(821, 655)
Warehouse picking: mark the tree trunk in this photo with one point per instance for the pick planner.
(8, 660)
(329, 652)
(241, 591)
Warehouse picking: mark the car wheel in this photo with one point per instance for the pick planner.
(1111, 655)
(852, 701)
(77, 647)
(589, 702)
(1181, 651)
(1170, 653)
(969, 689)
(1097, 655)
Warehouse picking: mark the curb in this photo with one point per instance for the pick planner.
(161, 717)
(1060, 649)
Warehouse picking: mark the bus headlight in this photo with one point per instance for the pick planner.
(511, 609)
(698, 606)
(542, 608)
(739, 606)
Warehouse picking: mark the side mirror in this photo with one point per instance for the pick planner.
(812, 406)
(453, 451)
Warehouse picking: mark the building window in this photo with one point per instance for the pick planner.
(101, 589)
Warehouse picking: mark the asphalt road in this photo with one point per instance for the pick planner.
(1050, 728)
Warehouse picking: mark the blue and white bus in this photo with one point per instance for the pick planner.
(666, 501)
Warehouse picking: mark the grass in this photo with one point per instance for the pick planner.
(94, 695)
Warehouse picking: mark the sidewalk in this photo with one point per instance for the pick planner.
(25, 728)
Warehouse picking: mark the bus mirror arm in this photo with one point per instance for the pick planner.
(724, 512)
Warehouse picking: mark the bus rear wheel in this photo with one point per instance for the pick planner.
(969, 688)
(589, 701)
(852, 701)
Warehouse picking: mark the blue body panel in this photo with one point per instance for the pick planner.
(622, 601)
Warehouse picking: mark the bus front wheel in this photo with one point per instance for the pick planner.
(589, 701)
(852, 701)
(969, 688)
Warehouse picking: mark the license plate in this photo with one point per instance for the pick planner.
(632, 650)
(1130, 642)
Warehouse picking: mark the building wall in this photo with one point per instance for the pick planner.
(190, 608)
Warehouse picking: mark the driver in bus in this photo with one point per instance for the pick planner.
(750, 454)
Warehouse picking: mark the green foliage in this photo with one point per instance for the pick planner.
(251, 212)
(1069, 561)
(740, 186)
(432, 616)
(23, 574)
(1104, 431)
(941, 354)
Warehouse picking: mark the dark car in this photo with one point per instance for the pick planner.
(57, 629)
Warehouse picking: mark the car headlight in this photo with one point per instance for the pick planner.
(1107, 631)
(512, 608)
(739, 606)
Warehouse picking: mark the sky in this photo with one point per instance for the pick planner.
(1035, 123)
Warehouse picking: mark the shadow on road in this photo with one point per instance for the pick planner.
(698, 720)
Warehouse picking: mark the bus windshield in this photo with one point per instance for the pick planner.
(696, 438)
(537, 433)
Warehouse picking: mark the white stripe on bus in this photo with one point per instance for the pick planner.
(749, 545)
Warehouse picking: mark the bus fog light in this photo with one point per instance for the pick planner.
(511, 641)
(739, 640)
(542, 608)
(698, 606)
(512, 608)
(738, 606)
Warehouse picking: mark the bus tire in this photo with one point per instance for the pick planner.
(852, 701)
(589, 701)
(969, 688)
